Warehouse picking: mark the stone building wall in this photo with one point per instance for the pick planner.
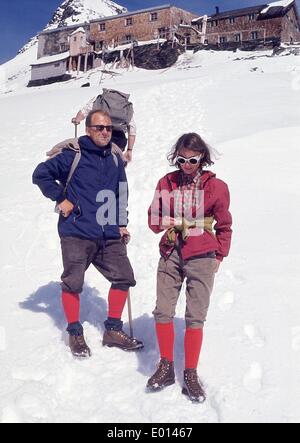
(290, 27)
(143, 26)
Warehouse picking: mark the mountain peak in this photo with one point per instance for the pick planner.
(71, 12)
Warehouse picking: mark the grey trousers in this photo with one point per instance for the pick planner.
(109, 258)
(199, 273)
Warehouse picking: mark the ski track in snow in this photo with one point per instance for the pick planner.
(250, 360)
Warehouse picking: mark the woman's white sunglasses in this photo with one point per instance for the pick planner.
(192, 160)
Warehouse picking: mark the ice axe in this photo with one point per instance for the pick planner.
(126, 240)
(74, 121)
(76, 124)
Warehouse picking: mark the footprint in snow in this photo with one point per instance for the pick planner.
(238, 278)
(254, 336)
(253, 378)
(226, 301)
(296, 338)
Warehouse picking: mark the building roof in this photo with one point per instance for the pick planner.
(65, 28)
(278, 4)
(268, 10)
(238, 12)
(81, 29)
(52, 59)
(128, 14)
(276, 9)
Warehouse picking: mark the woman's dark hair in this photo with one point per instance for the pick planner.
(195, 143)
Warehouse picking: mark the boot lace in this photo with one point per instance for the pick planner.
(162, 370)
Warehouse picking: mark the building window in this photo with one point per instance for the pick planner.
(63, 47)
(129, 21)
(153, 16)
(162, 32)
(254, 35)
(232, 20)
(251, 17)
(75, 39)
(99, 45)
(237, 37)
(102, 27)
(128, 38)
(214, 23)
(206, 41)
(223, 39)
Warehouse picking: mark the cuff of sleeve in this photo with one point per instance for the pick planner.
(60, 199)
(219, 257)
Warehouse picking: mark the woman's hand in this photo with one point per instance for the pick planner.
(168, 222)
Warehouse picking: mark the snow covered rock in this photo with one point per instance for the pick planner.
(80, 11)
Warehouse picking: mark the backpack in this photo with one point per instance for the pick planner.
(117, 104)
(73, 145)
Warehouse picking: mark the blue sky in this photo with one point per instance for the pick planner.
(22, 19)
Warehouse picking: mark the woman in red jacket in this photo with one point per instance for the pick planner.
(192, 206)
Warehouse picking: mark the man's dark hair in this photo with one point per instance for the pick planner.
(89, 118)
(195, 143)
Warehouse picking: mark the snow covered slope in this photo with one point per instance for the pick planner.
(246, 106)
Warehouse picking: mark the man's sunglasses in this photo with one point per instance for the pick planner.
(101, 128)
(192, 160)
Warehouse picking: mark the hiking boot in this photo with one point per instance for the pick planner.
(164, 376)
(78, 346)
(192, 386)
(119, 339)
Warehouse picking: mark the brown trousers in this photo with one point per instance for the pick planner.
(109, 258)
(199, 273)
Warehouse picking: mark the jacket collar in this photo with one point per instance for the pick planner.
(174, 178)
(87, 144)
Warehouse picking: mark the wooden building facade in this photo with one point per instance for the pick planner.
(273, 24)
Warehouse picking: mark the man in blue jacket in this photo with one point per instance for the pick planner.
(92, 228)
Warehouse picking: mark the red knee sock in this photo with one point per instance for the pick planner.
(165, 337)
(71, 304)
(192, 346)
(116, 303)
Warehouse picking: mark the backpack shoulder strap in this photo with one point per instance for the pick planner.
(115, 157)
(116, 153)
(71, 172)
(73, 167)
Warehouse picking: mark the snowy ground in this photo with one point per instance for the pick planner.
(250, 364)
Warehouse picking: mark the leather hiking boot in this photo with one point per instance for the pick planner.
(78, 346)
(192, 386)
(119, 339)
(164, 376)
